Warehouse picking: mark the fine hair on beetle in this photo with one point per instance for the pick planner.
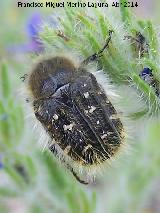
(85, 130)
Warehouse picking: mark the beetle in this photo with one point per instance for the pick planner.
(83, 125)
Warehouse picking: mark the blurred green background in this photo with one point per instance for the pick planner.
(32, 180)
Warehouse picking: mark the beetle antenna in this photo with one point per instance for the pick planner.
(97, 55)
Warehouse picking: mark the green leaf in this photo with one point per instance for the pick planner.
(5, 83)
(154, 49)
(7, 192)
(87, 22)
(17, 178)
(73, 201)
(148, 94)
(125, 14)
(137, 115)
(86, 204)
(4, 125)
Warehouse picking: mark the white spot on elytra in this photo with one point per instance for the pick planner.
(87, 147)
(84, 85)
(86, 94)
(67, 149)
(55, 117)
(114, 116)
(109, 133)
(97, 122)
(100, 93)
(92, 109)
(68, 127)
(86, 111)
(104, 136)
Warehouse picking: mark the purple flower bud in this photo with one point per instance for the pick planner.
(34, 45)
